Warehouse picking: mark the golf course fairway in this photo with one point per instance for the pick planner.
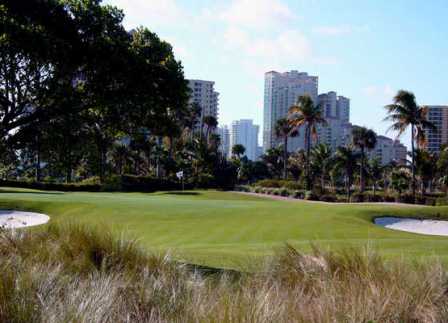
(231, 230)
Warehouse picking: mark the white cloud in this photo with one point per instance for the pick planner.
(383, 94)
(338, 30)
(256, 14)
(150, 12)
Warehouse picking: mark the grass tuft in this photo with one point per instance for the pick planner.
(74, 273)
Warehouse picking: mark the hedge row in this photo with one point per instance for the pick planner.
(124, 183)
(356, 197)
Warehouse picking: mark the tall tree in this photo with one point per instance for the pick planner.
(306, 114)
(238, 150)
(211, 123)
(405, 112)
(321, 161)
(283, 130)
(363, 139)
(346, 159)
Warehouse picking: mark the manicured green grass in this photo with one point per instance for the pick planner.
(229, 229)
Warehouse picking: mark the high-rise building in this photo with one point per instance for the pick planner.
(204, 94)
(244, 132)
(438, 115)
(387, 150)
(224, 135)
(336, 111)
(281, 90)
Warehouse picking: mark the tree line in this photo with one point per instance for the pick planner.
(81, 97)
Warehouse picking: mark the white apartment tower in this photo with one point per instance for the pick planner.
(281, 90)
(438, 115)
(387, 150)
(204, 94)
(336, 111)
(244, 132)
(224, 135)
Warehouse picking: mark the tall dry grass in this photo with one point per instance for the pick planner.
(78, 274)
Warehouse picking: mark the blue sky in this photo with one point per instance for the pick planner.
(365, 50)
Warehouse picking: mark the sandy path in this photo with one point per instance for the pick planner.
(19, 219)
(283, 198)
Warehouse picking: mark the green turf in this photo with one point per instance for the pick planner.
(230, 229)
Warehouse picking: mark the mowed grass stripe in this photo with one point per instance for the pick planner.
(221, 229)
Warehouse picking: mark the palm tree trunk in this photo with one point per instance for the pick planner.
(285, 158)
(308, 150)
(361, 175)
(413, 161)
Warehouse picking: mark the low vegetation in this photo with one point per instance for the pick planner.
(77, 274)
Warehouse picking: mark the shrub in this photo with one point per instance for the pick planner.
(441, 201)
(292, 185)
(389, 198)
(283, 192)
(258, 190)
(275, 191)
(298, 194)
(271, 183)
(328, 198)
(311, 196)
(357, 197)
(405, 198)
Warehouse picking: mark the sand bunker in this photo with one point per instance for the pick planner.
(431, 227)
(18, 219)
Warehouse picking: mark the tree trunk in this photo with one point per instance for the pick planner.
(285, 158)
(361, 175)
(38, 173)
(413, 161)
(308, 150)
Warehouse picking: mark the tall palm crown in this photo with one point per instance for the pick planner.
(363, 138)
(284, 129)
(211, 123)
(405, 112)
(306, 114)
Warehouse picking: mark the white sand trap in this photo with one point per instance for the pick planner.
(431, 227)
(18, 219)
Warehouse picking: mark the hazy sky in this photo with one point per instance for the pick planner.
(365, 50)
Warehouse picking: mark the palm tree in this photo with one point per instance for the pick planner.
(211, 123)
(405, 112)
(375, 171)
(425, 168)
(306, 114)
(238, 150)
(346, 160)
(363, 139)
(321, 160)
(284, 130)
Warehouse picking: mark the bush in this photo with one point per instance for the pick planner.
(292, 185)
(72, 187)
(131, 183)
(357, 197)
(441, 201)
(298, 194)
(271, 183)
(328, 198)
(311, 196)
(275, 191)
(389, 198)
(258, 190)
(284, 192)
(405, 198)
